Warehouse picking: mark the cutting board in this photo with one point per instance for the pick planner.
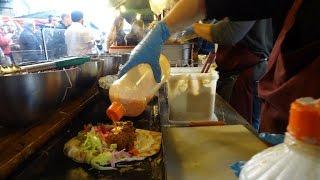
(200, 153)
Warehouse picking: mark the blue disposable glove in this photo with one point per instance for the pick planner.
(148, 51)
(273, 139)
(237, 167)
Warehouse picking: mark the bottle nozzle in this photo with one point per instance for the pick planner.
(116, 111)
(304, 120)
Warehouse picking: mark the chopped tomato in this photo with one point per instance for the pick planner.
(103, 131)
(86, 128)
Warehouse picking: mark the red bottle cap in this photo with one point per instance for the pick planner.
(304, 120)
(116, 111)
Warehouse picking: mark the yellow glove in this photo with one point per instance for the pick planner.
(203, 30)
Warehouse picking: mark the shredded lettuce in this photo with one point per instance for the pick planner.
(92, 142)
(89, 156)
(101, 160)
(113, 147)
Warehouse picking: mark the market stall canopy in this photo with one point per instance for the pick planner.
(157, 6)
(130, 8)
(42, 14)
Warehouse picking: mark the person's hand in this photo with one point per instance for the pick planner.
(148, 51)
(273, 139)
(203, 30)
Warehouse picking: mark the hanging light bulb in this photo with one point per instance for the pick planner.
(138, 16)
(123, 9)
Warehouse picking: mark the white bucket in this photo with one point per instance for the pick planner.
(191, 94)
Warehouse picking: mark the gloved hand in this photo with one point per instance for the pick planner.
(188, 31)
(203, 30)
(148, 51)
(273, 139)
(237, 167)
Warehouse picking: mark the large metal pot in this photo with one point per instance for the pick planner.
(29, 98)
(88, 76)
(112, 62)
(178, 54)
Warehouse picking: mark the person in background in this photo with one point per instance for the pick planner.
(50, 23)
(78, 38)
(116, 35)
(57, 43)
(65, 21)
(136, 34)
(5, 44)
(3, 59)
(30, 43)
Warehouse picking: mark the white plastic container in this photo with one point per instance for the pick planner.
(299, 156)
(191, 95)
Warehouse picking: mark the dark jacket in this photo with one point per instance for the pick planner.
(30, 46)
(61, 26)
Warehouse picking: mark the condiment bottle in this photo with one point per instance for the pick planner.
(299, 156)
(132, 92)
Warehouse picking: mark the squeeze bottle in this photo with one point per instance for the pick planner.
(132, 92)
(299, 156)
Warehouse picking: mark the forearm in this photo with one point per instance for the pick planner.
(185, 13)
(227, 32)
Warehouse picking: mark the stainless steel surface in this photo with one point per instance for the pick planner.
(88, 76)
(45, 65)
(207, 152)
(38, 67)
(178, 54)
(111, 63)
(30, 98)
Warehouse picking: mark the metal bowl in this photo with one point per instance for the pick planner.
(88, 76)
(112, 62)
(30, 98)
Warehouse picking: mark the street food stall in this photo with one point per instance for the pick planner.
(37, 153)
(155, 108)
(35, 149)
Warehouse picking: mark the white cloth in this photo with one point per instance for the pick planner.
(79, 40)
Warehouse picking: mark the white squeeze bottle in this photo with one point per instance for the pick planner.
(132, 92)
(298, 157)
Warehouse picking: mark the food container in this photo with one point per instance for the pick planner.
(87, 78)
(191, 95)
(104, 85)
(30, 98)
(111, 62)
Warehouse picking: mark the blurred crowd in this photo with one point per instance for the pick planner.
(117, 37)
(29, 40)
